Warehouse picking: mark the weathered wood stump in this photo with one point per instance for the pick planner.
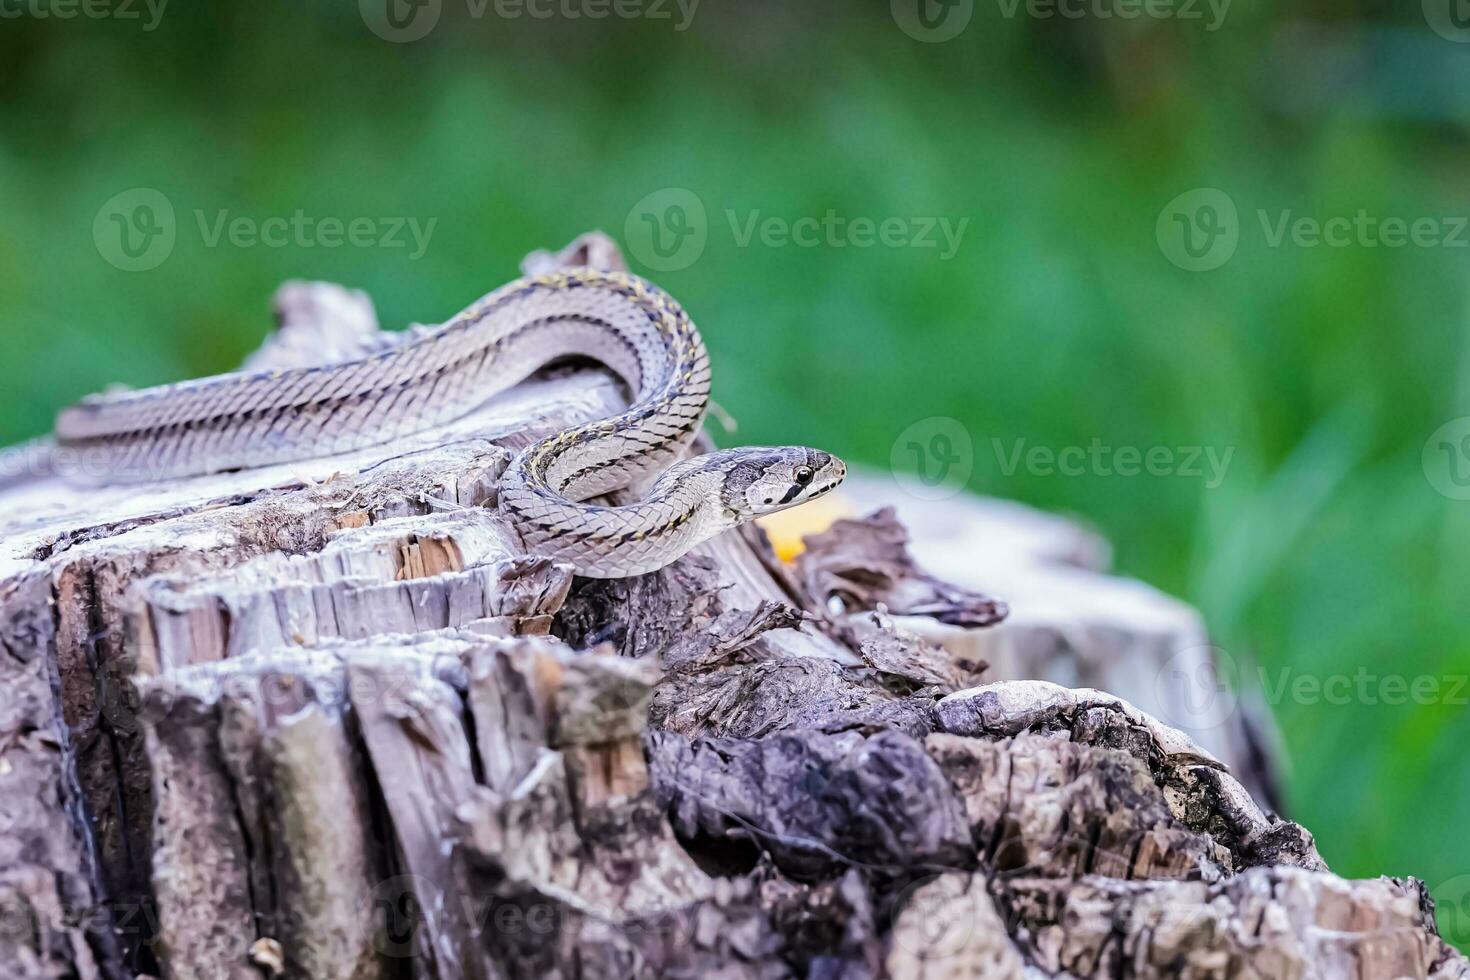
(328, 721)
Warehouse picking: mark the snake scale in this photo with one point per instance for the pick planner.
(238, 421)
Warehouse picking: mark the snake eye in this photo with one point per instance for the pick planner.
(804, 475)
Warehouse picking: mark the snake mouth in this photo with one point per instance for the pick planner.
(824, 489)
(796, 494)
(813, 492)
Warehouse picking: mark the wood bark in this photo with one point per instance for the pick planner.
(329, 721)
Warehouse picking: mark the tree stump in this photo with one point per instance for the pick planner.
(329, 721)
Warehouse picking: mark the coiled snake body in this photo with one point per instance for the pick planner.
(256, 419)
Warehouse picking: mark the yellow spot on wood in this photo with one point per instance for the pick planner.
(787, 528)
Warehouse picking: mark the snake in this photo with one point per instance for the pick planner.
(554, 491)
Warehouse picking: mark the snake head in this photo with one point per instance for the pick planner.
(765, 479)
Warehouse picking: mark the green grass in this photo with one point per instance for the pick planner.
(1324, 551)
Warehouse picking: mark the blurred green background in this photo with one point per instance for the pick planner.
(1062, 318)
